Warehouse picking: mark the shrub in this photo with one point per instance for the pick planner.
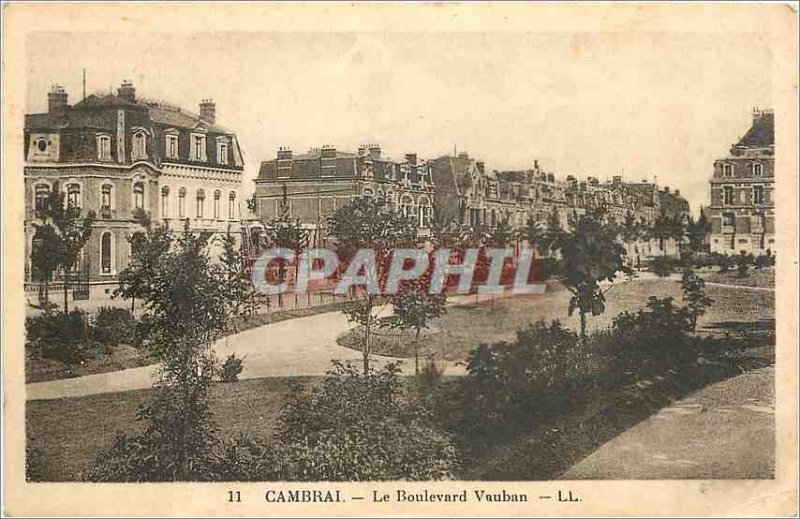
(59, 336)
(231, 368)
(724, 262)
(112, 326)
(763, 261)
(693, 288)
(360, 427)
(743, 262)
(662, 266)
(703, 260)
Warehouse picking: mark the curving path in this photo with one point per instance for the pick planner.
(296, 347)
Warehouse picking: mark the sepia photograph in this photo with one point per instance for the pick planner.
(489, 259)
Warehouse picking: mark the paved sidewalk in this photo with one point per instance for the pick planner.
(725, 430)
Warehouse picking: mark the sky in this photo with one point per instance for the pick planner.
(643, 105)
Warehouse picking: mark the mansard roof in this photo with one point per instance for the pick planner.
(762, 133)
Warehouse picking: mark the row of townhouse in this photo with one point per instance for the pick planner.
(115, 154)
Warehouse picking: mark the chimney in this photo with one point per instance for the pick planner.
(616, 180)
(57, 100)
(327, 152)
(463, 155)
(677, 192)
(284, 153)
(481, 166)
(551, 177)
(208, 110)
(126, 91)
(666, 190)
(362, 150)
(375, 151)
(535, 164)
(411, 158)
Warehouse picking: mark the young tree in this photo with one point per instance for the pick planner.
(237, 286)
(72, 230)
(415, 309)
(697, 232)
(190, 306)
(148, 248)
(589, 253)
(536, 235)
(694, 295)
(368, 223)
(44, 257)
(286, 235)
(666, 227)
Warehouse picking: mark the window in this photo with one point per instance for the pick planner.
(217, 204)
(105, 197)
(41, 194)
(139, 148)
(165, 202)
(222, 153)
(728, 219)
(105, 253)
(182, 202)
(74, 195)
(138, 195)
(201, 201)
(198, 147)
(727, 195)
(172, 146)
(42, 145)
(758, 195)
(232, 206)
(727, 170)
(758, 170)
(104, 147)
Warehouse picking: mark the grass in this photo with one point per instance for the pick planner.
(463, 328)
(70, 431)
(761, 278)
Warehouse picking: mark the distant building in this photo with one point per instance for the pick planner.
(742, 209)
(308, 187)
(114, 154)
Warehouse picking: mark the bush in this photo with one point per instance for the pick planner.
(743, 262)
(703, 260)
(764, 260)
(723, 261)
(663, 266)
(62, 337)
(231, 368)
(360, 427)
(112, 326)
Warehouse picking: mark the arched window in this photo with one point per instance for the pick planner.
(406, 206)
(74, 195)
(232, 205)
(41, 194)
(425, 212)
(104, 147)
(182, 202)
(105, 253)
(138, 195)
(201, 202)
(139, 148)
(105, 197)
(165, 202)
(217, 204)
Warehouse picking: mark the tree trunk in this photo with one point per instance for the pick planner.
(66, 301)
(133, 304)
(367, 330)
(416, 354)
(583, 325)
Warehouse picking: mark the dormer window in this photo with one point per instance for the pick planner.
(172, 146)
(222, 150)
(139, 148)
(758, 170)
(727, 170)
(104, 147)
(198, 147)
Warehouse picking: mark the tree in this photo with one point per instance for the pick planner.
(697, 232)
(502, 235)
(414, 309)
(666, 227)
(286, 235)
(71, 233)
(536, 235)
(44, 257)
(238, 289)
(694, 295)
(589, 253)
(368, 223)
(189, 306)
(148, 248)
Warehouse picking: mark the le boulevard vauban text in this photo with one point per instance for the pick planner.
(475, 495)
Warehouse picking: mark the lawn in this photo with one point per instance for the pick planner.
(463, 328)
(762, 278)
(70, 431)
